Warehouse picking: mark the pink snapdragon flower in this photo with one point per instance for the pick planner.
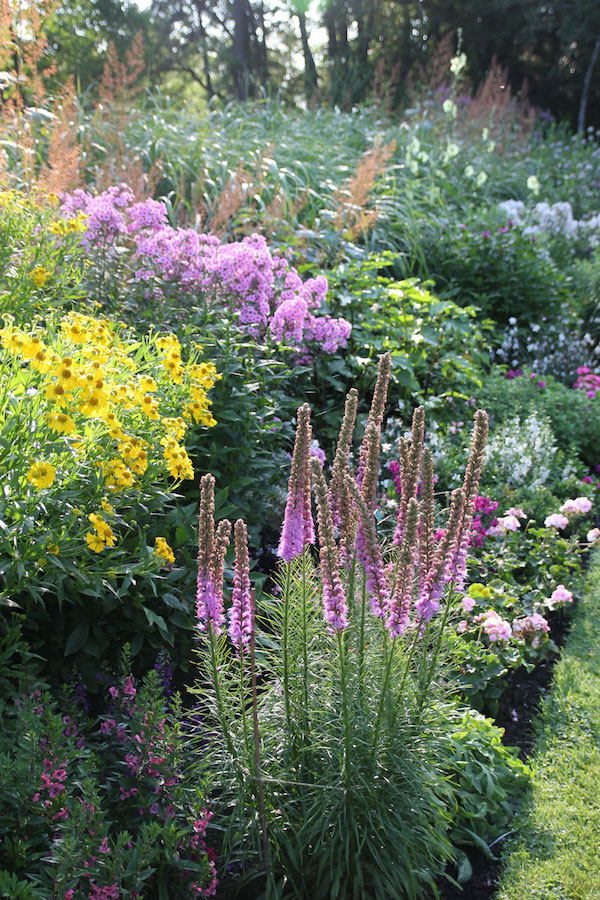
(556, 520)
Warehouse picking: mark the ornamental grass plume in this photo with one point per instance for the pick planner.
(241, 616)
(212, 547)
(298, 528)
(335, 606)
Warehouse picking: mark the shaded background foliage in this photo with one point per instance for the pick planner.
(342, 51)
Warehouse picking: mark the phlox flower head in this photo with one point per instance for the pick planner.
(509, 522)
(561, 595)
(496, 628)
(593, 536)
(578, 506)
(556, 520)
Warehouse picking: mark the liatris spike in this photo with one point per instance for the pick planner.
(368, 488)
(377, 583)
(211, 555)
(241, 616)
(377, 408)
(335, 606)
(342, 507)
(432, 587)
(399, 609)
(298, 528)
(411, 467)
(338, 490)
(427, 517)
(470, 490)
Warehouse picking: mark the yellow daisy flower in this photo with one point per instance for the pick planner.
(41, 474)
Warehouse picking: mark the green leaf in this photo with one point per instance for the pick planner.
(77, 638)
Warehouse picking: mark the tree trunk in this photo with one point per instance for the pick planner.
(311, 78)
(586, 86)
(240, 67)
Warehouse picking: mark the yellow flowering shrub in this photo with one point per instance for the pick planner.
(93, 423)
(42, 260)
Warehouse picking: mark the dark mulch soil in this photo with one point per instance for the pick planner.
(518, 707)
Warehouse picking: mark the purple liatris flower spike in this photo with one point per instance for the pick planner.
(378, 587)
(470, 490)
(432, 587)
(241, 616)
(298, 528)
(377, 409)
(398, 614)
(335, 606)
(410, 469)
(211, 557)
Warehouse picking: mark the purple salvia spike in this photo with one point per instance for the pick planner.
(399, 608)
(241, 618)
(410, 469)
(335, 606)
(377, 408)
(377, 582)
(298, 528)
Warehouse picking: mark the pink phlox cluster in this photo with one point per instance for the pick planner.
(262, 286)
(576, 507)
(108, 892)
(587, 381)
(496, 628)
(531, 629)
(482, 507)
(561, 596)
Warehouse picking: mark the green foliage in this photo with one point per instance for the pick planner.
(78, 799)
(555, 850)
(490, 779)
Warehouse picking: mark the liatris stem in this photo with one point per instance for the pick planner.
(386, 679)
(306, 723)
(346, 711)
(259, 780)
(361, 636)
(434, 658)
(220, 708)
(285, 648)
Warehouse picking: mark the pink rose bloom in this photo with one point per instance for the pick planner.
(593, 536)
(556, 520)
(468, 603)
(509, 523)
(561, 595)
(584, 504)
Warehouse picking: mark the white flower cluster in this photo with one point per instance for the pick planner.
(523, 453)
(556, 219)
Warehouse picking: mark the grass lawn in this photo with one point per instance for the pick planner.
(556, 854)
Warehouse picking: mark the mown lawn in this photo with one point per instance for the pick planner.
(556, 854)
